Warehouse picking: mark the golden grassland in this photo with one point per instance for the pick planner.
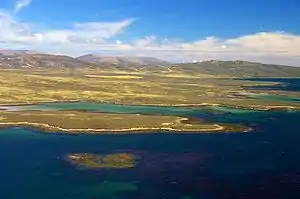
(152, 88)
(87, 122)
(138, 88)
(115, 76)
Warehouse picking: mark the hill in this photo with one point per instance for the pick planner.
(238, 69)
(122, 60)
(16, 52)
(35, 60)
(30, 59)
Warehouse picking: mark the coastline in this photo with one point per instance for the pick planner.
(207, 128)
(200, 105)
(49, 128)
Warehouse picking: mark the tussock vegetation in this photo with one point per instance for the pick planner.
(115, 77)
(155, 88)
(79, 122)
(148, 88)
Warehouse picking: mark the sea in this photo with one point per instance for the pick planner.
(261, 164)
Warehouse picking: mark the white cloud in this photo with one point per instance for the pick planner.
(21, 4)
(102, 37)
(145, 42)
(269, 47)
(269, 43)
(93, 33)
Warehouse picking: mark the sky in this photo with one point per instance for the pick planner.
(183, 30)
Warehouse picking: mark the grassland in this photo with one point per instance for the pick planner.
(21, 86)
(86, 122)
(156, 88)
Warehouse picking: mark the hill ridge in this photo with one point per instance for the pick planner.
(237, 68)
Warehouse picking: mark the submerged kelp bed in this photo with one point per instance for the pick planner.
(98, 161)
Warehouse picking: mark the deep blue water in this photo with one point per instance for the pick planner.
(288, 84)
(261, 164)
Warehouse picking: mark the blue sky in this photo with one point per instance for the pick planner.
(257, 30)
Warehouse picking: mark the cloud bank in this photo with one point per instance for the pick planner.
(103, 37)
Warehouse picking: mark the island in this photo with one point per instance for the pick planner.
(107, 161)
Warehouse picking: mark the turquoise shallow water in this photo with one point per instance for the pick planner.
(212, 113)
(107, 108)
(260, 164)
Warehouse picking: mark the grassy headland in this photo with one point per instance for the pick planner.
(85, 122)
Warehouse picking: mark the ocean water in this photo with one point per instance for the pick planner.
(288, 84)
(264, 163)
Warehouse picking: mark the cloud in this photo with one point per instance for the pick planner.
(93, 33)
(21, 4)
(268, 47)
(145, 42)
(103, 37)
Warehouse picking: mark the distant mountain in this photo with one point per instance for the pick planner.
(121, 60)
(238, 69)
(17, 52)
(29, 59)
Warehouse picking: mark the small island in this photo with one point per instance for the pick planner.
(95, 161)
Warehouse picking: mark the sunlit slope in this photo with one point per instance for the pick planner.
(238, 69)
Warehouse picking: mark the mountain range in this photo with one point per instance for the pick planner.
(31, 59)
(15, 59)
